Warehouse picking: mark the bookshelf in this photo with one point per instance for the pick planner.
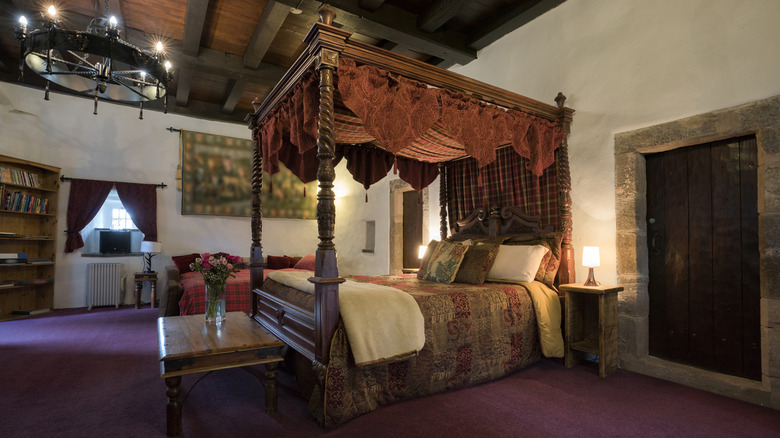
(29, 195)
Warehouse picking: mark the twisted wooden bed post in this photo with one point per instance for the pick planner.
(566, 272)
(256, 264)
(443, 201)
(326, 274)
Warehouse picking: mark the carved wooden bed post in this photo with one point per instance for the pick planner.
(256, 264)
(443, 200)
(566, 272)
(326, 48)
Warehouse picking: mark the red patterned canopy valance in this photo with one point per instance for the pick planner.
(416, 124)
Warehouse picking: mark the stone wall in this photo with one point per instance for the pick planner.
(761, 118)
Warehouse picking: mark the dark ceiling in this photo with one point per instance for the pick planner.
(226, 53)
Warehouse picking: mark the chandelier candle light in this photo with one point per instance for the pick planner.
(97, 61)
(215, 268)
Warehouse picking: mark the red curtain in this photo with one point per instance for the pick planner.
(86, 198)
(394, 110)
(398, 112)
(140, 201)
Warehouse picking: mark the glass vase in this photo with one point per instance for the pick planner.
(215, 304)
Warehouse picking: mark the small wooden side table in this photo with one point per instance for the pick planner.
(139, 278)
(591, 324)
(189, 345)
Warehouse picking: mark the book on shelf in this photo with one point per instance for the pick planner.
(39, 261)
(13, 256)
(8, 234)
(7, 284)
(35, 236)
(31, 311)
(33, 281)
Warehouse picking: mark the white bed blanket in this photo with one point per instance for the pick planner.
(382, 322)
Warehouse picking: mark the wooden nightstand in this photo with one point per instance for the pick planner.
(139, 278)
(591, 324)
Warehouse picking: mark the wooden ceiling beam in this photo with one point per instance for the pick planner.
(371, 5)
(399, 26)
(438, 13)
(510, 20)
(234, 95)
(224, 64)
(183, 84)
(270, 22)
(193, 27)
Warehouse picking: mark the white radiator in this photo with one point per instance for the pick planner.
(103, 281)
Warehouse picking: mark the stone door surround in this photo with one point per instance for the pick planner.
(761, 118)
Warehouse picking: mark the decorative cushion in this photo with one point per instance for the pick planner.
(476, 263)
(426, 258)
(306, 262)
(444, 264)
(548, 268)
(183, 262)
(293, 261)
(277, 262)
(517, 263)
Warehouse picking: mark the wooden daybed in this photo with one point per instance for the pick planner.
(321, 111)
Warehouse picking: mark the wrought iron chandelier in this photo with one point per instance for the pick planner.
(97, 61)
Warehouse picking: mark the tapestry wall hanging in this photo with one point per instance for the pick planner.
(216, 181)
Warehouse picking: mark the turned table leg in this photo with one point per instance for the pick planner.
(153, 284)
(173, 408)
(271, 389)
(138, 286)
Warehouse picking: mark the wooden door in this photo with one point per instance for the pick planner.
(412, 229)
(702, 223)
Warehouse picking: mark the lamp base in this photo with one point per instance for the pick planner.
(591, 281)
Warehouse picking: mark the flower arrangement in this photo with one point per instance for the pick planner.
(215, 268)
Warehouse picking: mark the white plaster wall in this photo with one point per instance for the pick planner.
(116, 145)
(628, 64)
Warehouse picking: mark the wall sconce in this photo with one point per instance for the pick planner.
(150, 249)
(591, 259)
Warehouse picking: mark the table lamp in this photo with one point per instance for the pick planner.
(421, 251)
(590, 259)
(150, 249)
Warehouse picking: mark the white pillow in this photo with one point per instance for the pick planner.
(517, 263)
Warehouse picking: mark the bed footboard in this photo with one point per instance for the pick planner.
(291, 324)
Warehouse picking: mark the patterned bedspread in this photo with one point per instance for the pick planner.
(473, 334)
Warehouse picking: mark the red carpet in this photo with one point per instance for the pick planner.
(74, 373)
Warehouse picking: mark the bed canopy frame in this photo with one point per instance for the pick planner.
(327, 46)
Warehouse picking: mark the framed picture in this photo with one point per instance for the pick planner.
(216, 181)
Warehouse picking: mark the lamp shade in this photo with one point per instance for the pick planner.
(421, 251)
(590, 256)
(151, 247)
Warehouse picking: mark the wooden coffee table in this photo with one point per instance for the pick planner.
(188, 345)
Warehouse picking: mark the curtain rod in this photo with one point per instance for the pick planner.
(67, 178)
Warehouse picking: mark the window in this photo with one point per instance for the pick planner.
(120, 220)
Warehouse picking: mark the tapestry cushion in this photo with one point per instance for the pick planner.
(426, 258)
(476, 263)
(444, 264)
(306, 262)
(548, 267)
(183, 262)
(517, 263)
(277, 262)
(293, 261)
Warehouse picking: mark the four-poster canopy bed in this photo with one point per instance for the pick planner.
(381, 111)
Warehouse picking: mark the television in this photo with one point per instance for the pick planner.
(115, 242)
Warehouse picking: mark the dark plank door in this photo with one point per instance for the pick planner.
(412, 229)
(702, 216)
